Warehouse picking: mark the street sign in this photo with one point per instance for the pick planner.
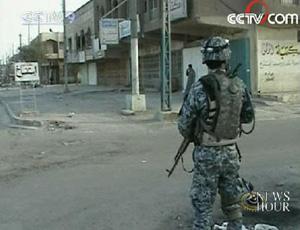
(178, 9)
(125, 29)
(26, 71)
(109, 31)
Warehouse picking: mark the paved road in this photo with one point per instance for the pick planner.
(4, 119)
(128, 189)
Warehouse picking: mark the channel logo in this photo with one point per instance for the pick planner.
(250, 18)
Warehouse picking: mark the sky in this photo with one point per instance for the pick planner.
(15, 14)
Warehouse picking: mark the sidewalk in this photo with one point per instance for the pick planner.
(94, 104)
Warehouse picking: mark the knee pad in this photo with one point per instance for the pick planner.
(232, 209)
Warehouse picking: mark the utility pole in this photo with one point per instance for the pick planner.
(20, 38)
(39, 47)
(28, 33)
(166, 64)
(66, 88)
(135, 101)
(134, 49)
(13, 50)
(39, 24)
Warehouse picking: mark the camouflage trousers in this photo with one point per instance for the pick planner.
(216, 169)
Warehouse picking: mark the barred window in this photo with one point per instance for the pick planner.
(153, 4)
(290, 2)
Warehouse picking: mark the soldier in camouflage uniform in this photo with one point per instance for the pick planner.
(216, 160)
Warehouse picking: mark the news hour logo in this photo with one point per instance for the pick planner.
(264, 16)
(266, 201)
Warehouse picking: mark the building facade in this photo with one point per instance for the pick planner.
(50, 49)
(192, 22)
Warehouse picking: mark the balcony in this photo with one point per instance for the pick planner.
(52, 56)
(84, 56)
(73, 57)
(89, 55)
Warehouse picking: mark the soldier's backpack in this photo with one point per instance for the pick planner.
(225, 97)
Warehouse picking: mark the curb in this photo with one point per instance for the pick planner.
(19, 121)
(170, 116)
(78, 93)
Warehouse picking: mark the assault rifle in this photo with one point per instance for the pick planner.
(234, 73)
(182, 148)
(197, 136)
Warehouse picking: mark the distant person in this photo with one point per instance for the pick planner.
(191, 75)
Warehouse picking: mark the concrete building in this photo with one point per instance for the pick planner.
(88, 64)
(82, 54)
(112, 66)
(2, 73)
(51, 56)
(192, 22)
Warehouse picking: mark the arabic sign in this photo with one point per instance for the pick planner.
(279, 64)
(109, 31)
(178, 9)
(26, 71)
(125, 29)
(280, 54)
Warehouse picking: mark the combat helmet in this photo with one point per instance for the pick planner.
(216, 49)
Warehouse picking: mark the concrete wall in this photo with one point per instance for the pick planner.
(92, 73)
(193, 56)
(278, 52)
(215, 12)
(277, 6)
(83, 74)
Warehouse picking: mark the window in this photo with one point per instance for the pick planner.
(108, 5)
(55, 47)
(116, 11)
(153, 9)
(124, 10)
(70, 45)
(77, 39)
(290, 2)
(61, 45)
(102, 11)
(153, 4)
(82, 40)
(298, 35)
(88, 38)
(145, 6)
